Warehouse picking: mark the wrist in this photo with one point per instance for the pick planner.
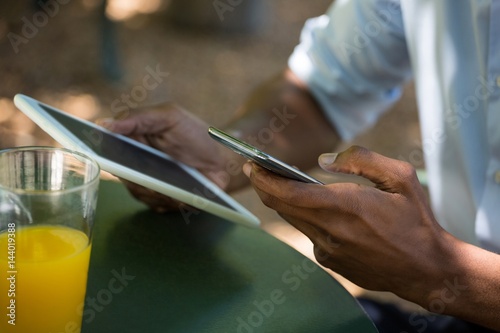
(447, 281)
(468, 284)
(432, 265)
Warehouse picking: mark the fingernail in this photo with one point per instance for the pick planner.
(327, 159)
(105, 122)
(247, 169)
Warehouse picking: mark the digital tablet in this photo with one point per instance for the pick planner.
(134, 161)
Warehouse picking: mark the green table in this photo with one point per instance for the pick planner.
(157, 273)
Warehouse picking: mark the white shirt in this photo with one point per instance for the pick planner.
(355, 60)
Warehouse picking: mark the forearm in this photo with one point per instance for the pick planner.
(282, 119)
(470, 286)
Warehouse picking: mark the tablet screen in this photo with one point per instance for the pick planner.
(132, 155)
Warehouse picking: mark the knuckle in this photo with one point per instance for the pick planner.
(406, 176)
(358, 151)
(406, 171)
(352, 156)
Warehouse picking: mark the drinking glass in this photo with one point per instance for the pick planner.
(48, 200)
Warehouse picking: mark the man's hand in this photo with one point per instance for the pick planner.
(180, 134)
(281, 116)
(386, 237)
(381, 238)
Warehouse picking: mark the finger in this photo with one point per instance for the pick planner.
(328, 207)
(327, 257)
(152, 199)
(276, 191)
(105, 122)
(388, 174)
(322, 256)
(311, 231)
(315, 233)
(289, 196)
(150, 122)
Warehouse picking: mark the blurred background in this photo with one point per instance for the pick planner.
(86, 56)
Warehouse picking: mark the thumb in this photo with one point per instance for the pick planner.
(387, 174)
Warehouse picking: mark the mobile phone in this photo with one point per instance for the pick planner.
(259, 157)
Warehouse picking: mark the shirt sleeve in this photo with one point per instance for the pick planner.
(354, 60)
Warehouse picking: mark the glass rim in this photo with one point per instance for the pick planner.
(67, 151)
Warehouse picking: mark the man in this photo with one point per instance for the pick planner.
(349, 68)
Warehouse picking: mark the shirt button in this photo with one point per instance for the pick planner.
(497, 177)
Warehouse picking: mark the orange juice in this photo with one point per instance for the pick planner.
(43, 279)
